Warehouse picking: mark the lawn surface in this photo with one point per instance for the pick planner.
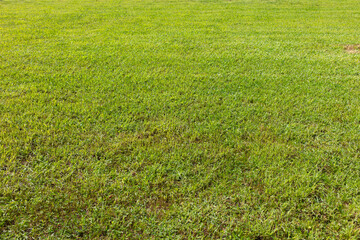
(141, 119)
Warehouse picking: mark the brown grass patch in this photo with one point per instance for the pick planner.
(354, 48)
(158, 206)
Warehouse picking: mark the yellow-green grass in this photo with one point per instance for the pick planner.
(202, 119)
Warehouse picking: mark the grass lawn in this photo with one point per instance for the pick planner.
(192, 119)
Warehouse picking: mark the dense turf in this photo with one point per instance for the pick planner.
(179, 119)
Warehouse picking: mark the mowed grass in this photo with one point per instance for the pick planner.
(202, 119)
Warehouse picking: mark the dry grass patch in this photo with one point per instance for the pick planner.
(354, 48)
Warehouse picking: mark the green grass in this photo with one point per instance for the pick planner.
(128, 119)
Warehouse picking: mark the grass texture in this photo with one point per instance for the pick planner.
(191, 119)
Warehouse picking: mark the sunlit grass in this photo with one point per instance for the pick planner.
(179, 119)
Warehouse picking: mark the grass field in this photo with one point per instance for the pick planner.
(193, 119)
